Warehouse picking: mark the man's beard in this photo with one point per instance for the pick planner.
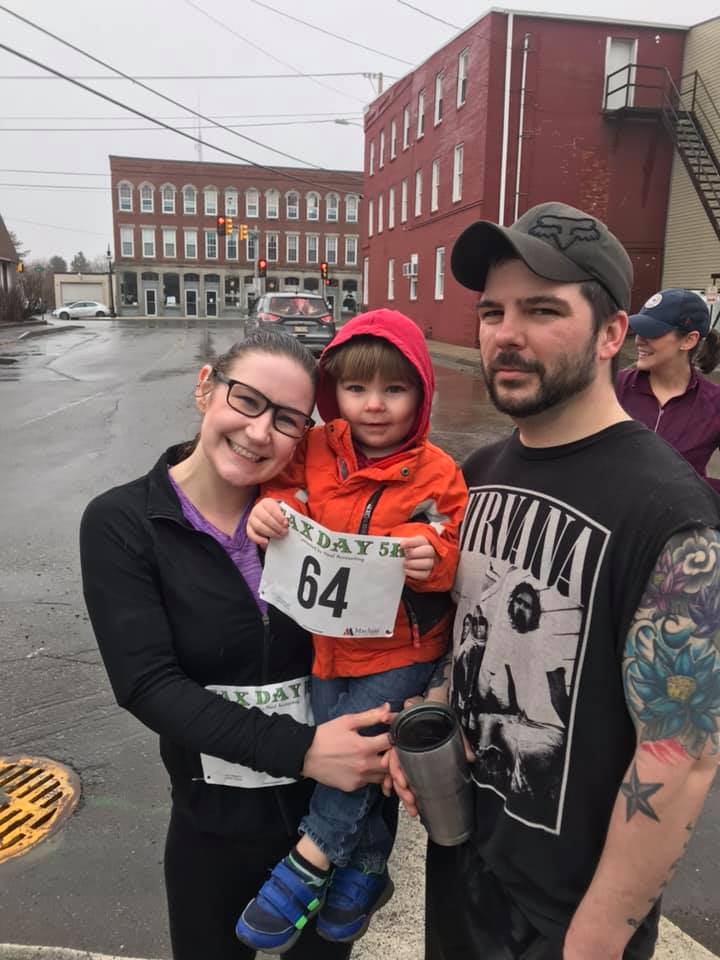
(570, 376)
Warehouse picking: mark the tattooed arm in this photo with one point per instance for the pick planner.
(671, 674)
(438, 687)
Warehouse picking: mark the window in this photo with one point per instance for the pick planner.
(331, 249)
(438, 99)
(169, 246)
(125, 197)
(272, 204)
(168, 199)
(393, 139)
(146, 199)
(381, 213)
(252, 203)
(391, 280)
(371, 158)
(434, 185)
(231, 247)
(457, 173)
(128, 289)
(292, 243)
(232, 291)
(418, 192)
(462, 78)
(371, 216)
(313, 206)
(332, 207)
(231, 202)
(127, 242)
(148, 241)
(439, 273)
(311, 248)
(191, 244)
(403, 201)
(211, 202)
(381, 150)
(413, 276)
(292, 206)
(211, 251)
(406, 128)
(251, 246)
(189, 201)
(421, 115)
(366, 280)
(351, 208)
(391, 208)
(271, 247)
(351, 251)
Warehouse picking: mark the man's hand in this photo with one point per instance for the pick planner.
(420, 557)
(266, 522)
(340, 757)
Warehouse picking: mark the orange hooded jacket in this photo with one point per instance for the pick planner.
(417, 490)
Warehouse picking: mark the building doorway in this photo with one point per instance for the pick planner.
(151, 303)
(211, 309)
(191, 303)
(620, 53)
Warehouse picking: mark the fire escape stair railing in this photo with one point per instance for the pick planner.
(699, 160)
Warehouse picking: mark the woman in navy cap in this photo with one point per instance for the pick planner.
(664, 390)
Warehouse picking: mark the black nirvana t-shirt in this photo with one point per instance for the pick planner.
(556, 548)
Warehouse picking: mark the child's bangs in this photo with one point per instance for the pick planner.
(365, 358)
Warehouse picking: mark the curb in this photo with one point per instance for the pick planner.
(46, 331)
(13, 951)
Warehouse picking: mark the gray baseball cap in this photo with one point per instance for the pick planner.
(555, 241)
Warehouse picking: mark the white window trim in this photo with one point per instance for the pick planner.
(366, 281)
(329, 207)
(131, 232)
(381, 213)
(193, 211)
(435, 186)
(438, 107)
(268, 237)
(418, 193)
(208, 235)
(351, 240)
(270, 196)
(391, 208)
(371, 216)
(252, 240)
(173, 231)
(148, 256)
(230, 194)
(308, 238)
(406, 127)
(420, 132)
(292, 193)
(288, 238)
(316, 218)
(142, 187)
(371, 158)
(413, 290)
(190, 256)
(208, 192)
(172, 189)
(228, 242)
(439, 288)
(349, 199)
(393, 139)
(252, 192)
(463, 60)
(391, 279)
(121, 208)
(458, 163)
(331, 238)
(381, 150)
(403, 201)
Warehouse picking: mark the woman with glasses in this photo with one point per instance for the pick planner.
(171, 584)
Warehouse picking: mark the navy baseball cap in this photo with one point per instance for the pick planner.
(669, 310)
(555, 241)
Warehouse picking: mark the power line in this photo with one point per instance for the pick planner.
(139, 113)
(203, 126)
(271, 56)
(52, 186)
(54, 226)
(226, 116)
(144, 86)
(430, 15)
(193, 77)
(60, 173)
(329, 33)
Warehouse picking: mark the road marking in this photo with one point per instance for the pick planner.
(65, 406)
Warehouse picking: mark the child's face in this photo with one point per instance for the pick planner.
(380, 412)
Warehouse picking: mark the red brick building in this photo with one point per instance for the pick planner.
(170, 260)
(511, 113)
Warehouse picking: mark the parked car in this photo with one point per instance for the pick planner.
(81, 308)
(306, 315)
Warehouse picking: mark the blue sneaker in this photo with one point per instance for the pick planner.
(274, 920)
(352, 899)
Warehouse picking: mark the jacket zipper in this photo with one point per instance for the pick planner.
(370, 509)
(659, 417)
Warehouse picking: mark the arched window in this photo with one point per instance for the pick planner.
(313, 206)
(351, 208)
(231, 202)
(272, 204)
(189, 200)
(125, 196)
(252, 202)
(332, 204)
(211, 201)
(147, 198)
(168, 198)
(292, 205)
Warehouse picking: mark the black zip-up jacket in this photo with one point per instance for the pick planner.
(172, 614)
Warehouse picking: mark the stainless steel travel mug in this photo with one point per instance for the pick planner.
(430, 749)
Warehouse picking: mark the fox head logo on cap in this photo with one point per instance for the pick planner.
(564, 231)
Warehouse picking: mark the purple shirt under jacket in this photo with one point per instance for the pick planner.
(690, 422)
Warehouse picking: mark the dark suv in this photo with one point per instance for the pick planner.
(306, 315)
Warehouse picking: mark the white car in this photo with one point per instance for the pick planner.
(81, 308)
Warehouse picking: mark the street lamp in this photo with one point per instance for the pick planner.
(108, 256)
(341, 121)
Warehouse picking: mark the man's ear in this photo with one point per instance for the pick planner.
(612, 335)
(204, 388)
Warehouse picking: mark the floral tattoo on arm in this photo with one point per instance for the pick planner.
(671, 666)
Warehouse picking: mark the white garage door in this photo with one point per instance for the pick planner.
(69, 292)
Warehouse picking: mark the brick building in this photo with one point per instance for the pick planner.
(515, 110)
(170, 261)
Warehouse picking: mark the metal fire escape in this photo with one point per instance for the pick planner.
(688, 113)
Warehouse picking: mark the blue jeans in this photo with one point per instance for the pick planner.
(349, 827)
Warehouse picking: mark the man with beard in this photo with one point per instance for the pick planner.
(621, 537)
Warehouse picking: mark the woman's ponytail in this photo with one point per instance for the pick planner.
(708, 353)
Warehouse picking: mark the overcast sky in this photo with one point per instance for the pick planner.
(151, 37)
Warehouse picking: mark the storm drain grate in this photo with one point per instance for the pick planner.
(37, 796)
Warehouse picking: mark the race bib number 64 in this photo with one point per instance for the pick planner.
(334, 584)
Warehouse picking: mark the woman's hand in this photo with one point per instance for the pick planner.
(396, 780)
(266, 522)
(420, 557)
(340, 757)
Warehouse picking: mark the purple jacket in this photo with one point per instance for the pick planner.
(690, 422)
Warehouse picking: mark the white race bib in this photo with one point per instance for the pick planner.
(288, 697)
(334, 584)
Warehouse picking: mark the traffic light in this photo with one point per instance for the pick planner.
(20, 267)
(324, 270)
(221, 226)
(262, 268)
(243, 231)
(228, 226)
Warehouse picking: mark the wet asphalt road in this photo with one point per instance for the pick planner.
(80, 412)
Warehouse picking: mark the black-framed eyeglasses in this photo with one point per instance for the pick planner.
(251, 403)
